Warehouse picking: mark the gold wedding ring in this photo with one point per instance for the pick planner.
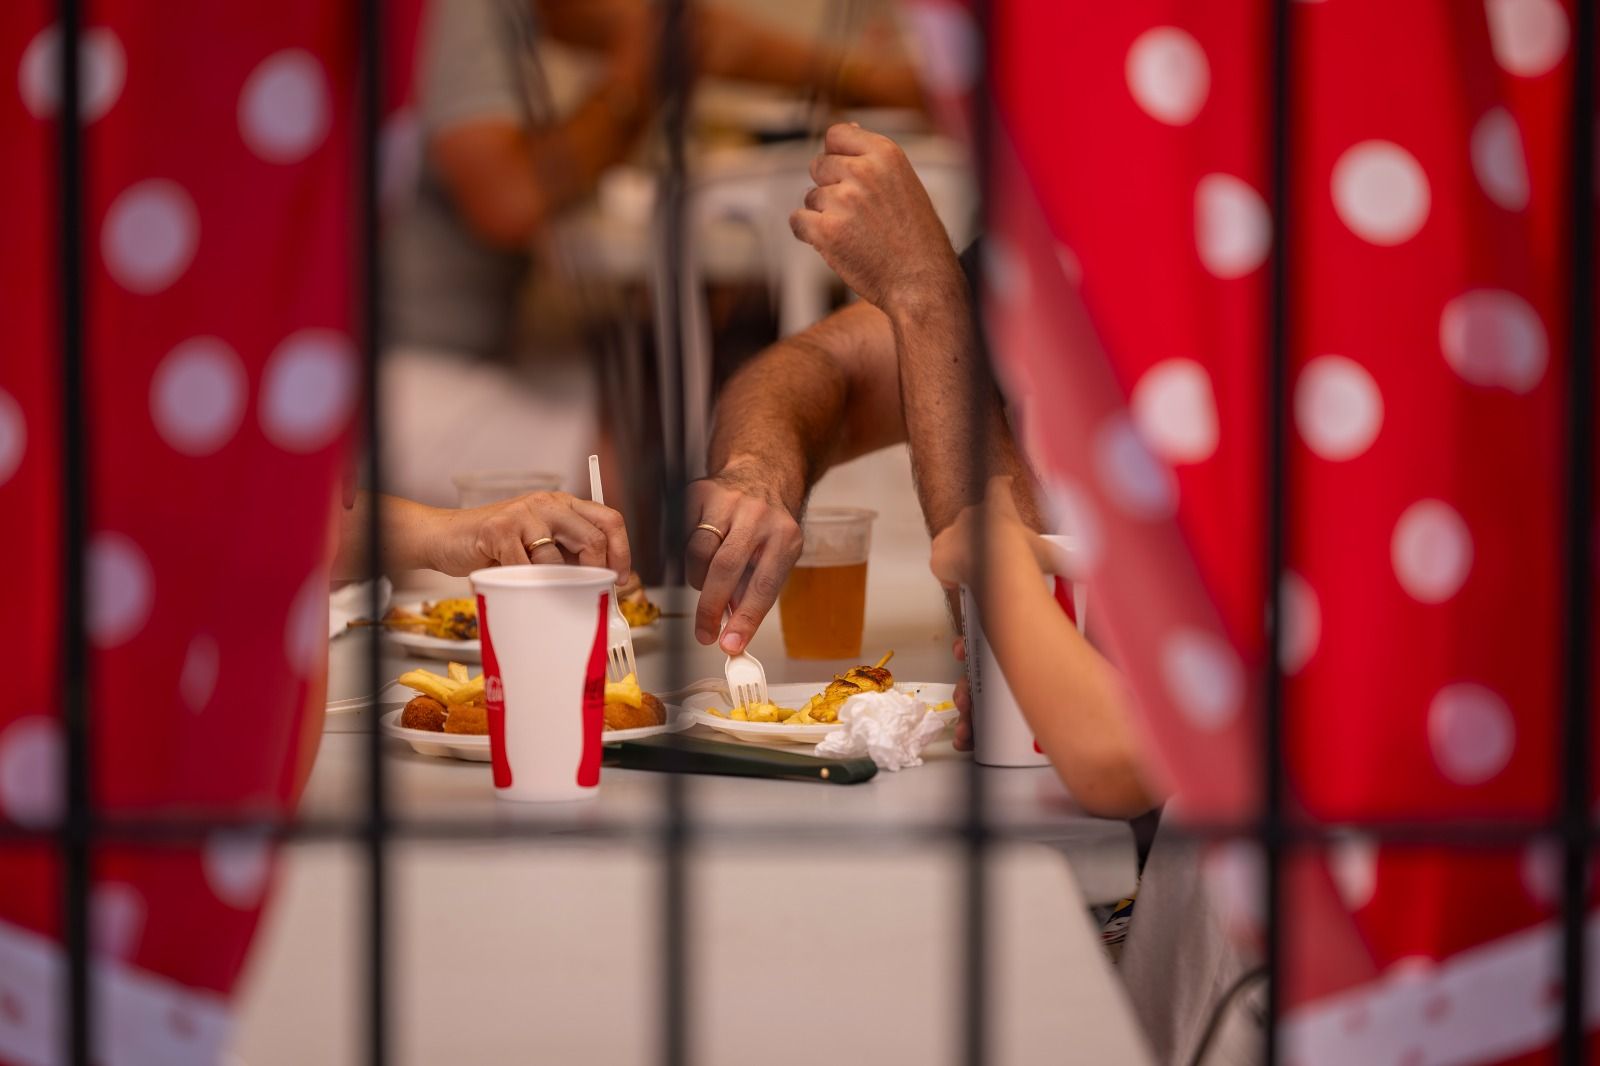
(709, 528)
(541, 542)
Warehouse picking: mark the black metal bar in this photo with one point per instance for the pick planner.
(370, 284)
(191, 831)
(975, 830)
(78, 826)
(1578, 601)
(674, 76)
(1277, 395)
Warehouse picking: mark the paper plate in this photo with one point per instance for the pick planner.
(796, 695)
(476, 748)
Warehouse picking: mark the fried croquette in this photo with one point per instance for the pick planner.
(621, 715)
(424, 712)
(469, 719)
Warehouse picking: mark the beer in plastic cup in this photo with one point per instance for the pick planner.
(823, 604)
(1000, 734)
(543, 630)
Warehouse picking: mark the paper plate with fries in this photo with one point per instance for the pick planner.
(804, 714)
(448, 715)
(448, 629)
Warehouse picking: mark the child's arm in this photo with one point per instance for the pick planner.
(1074, 700)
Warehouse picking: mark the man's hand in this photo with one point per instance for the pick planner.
(872, 221)
(587, 533)
(744, 569)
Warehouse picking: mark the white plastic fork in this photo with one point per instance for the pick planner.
(747, 680)
(619, 638)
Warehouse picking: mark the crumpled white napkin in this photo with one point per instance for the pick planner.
(891, 727)
(354, 601)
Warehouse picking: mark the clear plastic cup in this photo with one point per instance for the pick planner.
(823, 605)
(543, 630)
(474, 488)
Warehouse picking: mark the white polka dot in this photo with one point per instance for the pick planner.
(102, 71)
(1337, 407)
(1132, 478)
(1498, 159)
(202, 664)
(1431, 551)
(116, 919)
(1412, 969)
(121, 589)
(237, 866)
(1168, 75)
(1353, 862)
(305, 630)
(283, 108)
(1203, 677)
(13, 436)
(197, 396)
(1491, 337)
(1071, 265)
(1174, 409)
(32, 767)
(1302, 623)
(1005, 272)
(1543, 869)
(308, 390)
(1074, 515)
(947, 46)
(1471, 733)
(150, 235)
(1380, 192)
(1528, 37)
(1233, 229)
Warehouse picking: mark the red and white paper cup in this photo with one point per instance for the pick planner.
(543, 630)
(1001, 735)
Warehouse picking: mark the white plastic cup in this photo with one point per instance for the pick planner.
(1001, 735)
(543, 630)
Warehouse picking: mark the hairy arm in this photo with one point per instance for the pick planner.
(818, 398)
(939, 362)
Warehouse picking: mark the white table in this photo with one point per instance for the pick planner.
(839, 942)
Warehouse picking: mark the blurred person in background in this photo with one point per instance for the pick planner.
(501, 161)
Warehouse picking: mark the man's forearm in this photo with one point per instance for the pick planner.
(940, 366)
(783, 417)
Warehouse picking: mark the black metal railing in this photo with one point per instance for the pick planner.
(82, 827)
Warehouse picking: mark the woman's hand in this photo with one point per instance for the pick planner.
(954, 560)
(503, 534)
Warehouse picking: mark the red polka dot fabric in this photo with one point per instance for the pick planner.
(1130, 231)
(222, 400)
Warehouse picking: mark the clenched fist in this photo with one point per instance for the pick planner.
(872, 221)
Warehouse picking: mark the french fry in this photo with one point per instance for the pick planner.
(430, 684)
(470, 692)
(458, 672)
